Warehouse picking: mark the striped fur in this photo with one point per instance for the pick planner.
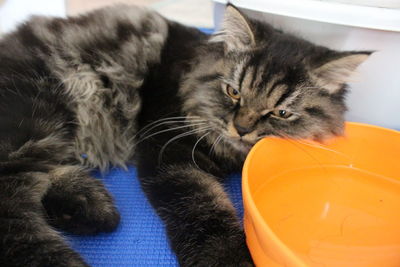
(122, 85)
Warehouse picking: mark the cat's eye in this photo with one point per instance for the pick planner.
(281, 113)
(232, 92)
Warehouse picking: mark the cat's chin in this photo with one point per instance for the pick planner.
(242, 145)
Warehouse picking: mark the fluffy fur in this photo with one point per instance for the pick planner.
(122, 85)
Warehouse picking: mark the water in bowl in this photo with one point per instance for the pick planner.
(337, 216)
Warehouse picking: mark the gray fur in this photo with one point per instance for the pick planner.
(125, 68)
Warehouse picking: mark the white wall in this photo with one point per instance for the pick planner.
(13, 12)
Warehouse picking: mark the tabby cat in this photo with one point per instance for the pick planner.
(123, 85)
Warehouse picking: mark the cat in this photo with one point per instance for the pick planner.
(123, 85)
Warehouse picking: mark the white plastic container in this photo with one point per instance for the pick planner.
(375, 92)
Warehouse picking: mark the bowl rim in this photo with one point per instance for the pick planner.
(251, 208)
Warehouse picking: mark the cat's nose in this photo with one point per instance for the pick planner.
(244, 121)
(242, 130)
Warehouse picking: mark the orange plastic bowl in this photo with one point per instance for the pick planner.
(336, 204)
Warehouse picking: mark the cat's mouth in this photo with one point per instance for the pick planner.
(241, 144)
(247, 142)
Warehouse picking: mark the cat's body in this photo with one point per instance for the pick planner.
(123, 85)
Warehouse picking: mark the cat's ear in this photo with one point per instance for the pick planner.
(235, 31)
(333, 74)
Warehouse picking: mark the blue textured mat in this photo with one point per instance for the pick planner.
(140, 239)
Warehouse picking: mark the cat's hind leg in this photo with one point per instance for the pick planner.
(26, 239)
(32, 142)
(78, 203)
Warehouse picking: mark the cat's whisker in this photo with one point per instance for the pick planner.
(324, 148)
(217, 140)
(155, 124)
(167, 122)
(180, 118)
(313, 144)
(174, 118)
(190, 122)
(194, 131)
(293, 142)
(194, 148)
(312, 87)
(168, 130)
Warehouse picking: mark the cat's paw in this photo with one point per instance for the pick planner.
(228, 257)
(85, 208)
(84, 214)
(219, 252)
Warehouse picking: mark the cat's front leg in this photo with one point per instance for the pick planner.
(201, 221)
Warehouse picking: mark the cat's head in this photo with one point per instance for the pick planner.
(252, 81)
